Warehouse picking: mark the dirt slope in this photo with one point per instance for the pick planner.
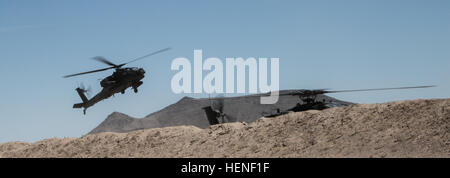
(188, 111)
(419, 128)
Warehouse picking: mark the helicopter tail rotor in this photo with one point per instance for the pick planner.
(82, 90)
(88, 90)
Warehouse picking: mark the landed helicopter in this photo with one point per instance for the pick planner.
(118, 82)
(215, 114)
(308, 101)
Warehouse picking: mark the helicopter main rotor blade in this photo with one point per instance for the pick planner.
(377, 89)
(99, 70)
(306, 93)
(104, 60)
(233, 97)
(148, 55)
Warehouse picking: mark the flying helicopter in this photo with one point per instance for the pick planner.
(307, 101)
(121, 79)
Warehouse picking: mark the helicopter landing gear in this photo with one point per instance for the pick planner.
(136, 85)
(84, 111)
(123, 92)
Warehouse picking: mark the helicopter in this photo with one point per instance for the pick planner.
(214, 112)
(121, 79)
(308, 101)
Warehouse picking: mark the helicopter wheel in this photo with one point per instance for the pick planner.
(135, 90)
(123, 92)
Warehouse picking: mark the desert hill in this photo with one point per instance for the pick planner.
(417, 128)
(188, 111)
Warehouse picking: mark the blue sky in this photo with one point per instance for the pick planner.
(347, 44)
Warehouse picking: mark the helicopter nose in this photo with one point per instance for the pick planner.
(141, 71)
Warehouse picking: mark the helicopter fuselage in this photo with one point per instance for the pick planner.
(118, 82)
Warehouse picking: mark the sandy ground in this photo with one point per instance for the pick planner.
(418, 128)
